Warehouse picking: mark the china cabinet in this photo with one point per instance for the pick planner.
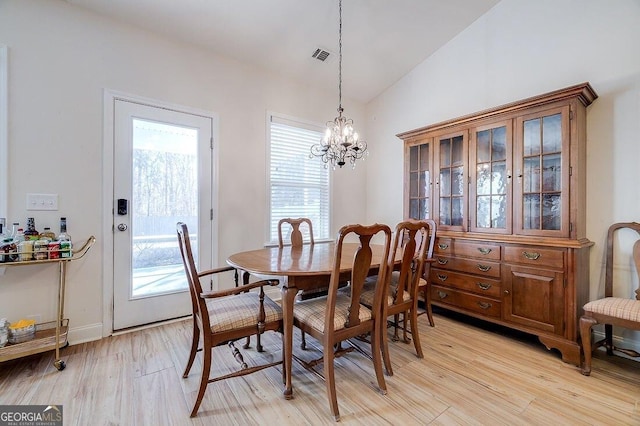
(507, 188)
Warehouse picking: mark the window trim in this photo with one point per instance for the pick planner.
(302, 123)
(4, 132)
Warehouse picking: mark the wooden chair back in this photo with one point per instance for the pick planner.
(295, 237)
(608, 278)
(415, 239)
(195, 288)
(360, 267)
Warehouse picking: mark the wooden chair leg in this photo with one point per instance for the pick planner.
(396, 318)
(608, 338)
(405, 337)
(303, 342)
(330, 381)
(413, 315)
(284, 361)
(204, 380)
(376, 350)
(194, 348)
(386, 356)
(427, 306)
(585, 334)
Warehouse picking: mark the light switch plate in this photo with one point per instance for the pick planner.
(42, 201)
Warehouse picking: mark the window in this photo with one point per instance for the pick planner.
(298, 185)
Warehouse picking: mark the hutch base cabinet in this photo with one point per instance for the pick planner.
(506, 187)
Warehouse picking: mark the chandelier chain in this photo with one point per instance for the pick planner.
(340, 58)
(340, 144)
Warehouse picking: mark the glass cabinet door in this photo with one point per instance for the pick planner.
(490, 178)
(543, 173)
(419, 187)
(451, 160)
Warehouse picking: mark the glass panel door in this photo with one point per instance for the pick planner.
(490, 172)
(162, 175)
(542, 175)
(420, 181)
(452, 160)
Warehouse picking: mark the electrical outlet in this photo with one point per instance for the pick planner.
(42, 201)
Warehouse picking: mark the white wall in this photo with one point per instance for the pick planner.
(60, 60)
(517, 50)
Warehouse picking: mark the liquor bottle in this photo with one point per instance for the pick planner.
(31, 233)
(19, 241)
(63, 236)
(64, 239)
(14, 230)
(47, 234)
(18, 236)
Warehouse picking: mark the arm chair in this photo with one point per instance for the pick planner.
(339, 316)
(414, 240)
(610, 311)
(224, 316)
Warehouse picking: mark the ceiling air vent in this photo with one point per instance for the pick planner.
(321, 54)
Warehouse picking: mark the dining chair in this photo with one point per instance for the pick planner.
(414, 240)
(224, 316)
(296, 238)
(339, 316)
(611, 311)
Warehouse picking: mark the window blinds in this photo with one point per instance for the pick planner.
(298, 185)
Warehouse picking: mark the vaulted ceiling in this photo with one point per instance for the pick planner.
(382, 39)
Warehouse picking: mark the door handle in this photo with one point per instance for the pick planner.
(122, 227)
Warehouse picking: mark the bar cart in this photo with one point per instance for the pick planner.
(49, 335)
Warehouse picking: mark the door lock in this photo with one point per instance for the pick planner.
(122, 227)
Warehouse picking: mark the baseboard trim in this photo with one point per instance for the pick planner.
(84, 334)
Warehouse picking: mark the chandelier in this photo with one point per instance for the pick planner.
(340, 143)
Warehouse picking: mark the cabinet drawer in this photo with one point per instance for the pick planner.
(474, 284)
(471, 266)
(470, 302)
(531, 255)
(478, 249)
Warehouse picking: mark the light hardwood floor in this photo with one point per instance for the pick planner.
(470, 375)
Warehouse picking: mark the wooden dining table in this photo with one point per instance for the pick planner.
(303, 268)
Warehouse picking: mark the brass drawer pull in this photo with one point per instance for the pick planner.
(442, 261)
(442, 294)
(531, 255)
(484, 268)
(484, 250)
(484, 286)
(442, 246)
(484, 305)
(442, 277)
